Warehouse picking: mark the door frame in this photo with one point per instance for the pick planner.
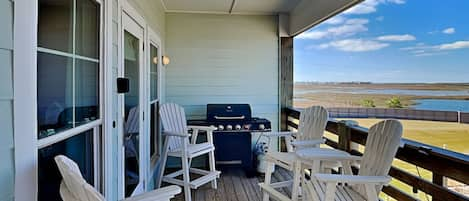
(153, 39)
(131, 19)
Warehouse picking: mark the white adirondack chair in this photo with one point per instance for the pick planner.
(312, 124)
(177, 145)
(75, 188)
(381, 146)
(310, 133)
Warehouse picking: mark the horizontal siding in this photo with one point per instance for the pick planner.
(7, 170)
(6, 22)
(222, 59)
(6, 75)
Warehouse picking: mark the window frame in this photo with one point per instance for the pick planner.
(26, 142)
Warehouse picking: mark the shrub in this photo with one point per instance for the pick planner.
(368, 103)
(394, 102)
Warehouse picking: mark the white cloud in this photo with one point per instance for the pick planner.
(354, 45)
(397, 38)
(430, 50)
(430, 54)
(418, 46)
(335, 20)
(348, 28)
(450, 30)
(357, 21)
(369, 6)
(397, 1)
(454, 45)
(314, 35)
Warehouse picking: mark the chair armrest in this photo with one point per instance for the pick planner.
(325, 154)
(195, 132)
(353, 179)
(169, 133)
(279, 134)
(162, 194)
(202, 128)
(307, 143)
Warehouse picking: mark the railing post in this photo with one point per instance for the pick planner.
(439, 180)
(345, 136)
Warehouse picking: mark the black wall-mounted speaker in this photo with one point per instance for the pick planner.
(123, 85)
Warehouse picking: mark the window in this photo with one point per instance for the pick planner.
(67, 65)
(68, 90)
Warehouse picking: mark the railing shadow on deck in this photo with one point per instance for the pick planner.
(442, 163)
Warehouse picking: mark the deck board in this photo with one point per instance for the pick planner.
(233, 185)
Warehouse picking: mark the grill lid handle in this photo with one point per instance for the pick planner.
(230, 118)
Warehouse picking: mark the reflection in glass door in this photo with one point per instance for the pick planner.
(132, 42)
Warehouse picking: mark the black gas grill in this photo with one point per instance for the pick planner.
(232, 139)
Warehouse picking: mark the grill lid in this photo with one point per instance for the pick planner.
(228, 112)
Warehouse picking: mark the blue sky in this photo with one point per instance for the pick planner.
(388, 41)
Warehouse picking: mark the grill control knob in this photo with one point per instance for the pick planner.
(238, 127)
(246, 126)
(221, 127)
(261, 127)
(229, 127)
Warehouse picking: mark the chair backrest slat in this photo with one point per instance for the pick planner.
(173, 119)
(313, 121)
(133, 119)
(76, 185)
(381, 146)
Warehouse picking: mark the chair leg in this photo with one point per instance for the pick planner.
(211, 161)
(186, 178)
(296, 180)
(163, 163)
(268, 178)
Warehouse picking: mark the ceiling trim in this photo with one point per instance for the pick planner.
(221, 12)
(230, 12)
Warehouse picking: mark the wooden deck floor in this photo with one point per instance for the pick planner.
(233, 185)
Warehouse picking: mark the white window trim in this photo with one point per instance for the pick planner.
(108, 128)
(25, 97)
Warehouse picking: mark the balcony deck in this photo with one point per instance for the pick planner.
(233, 185)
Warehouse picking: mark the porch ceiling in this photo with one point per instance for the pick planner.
(231, 6)
(296, 16)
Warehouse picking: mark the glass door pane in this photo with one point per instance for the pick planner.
(154, 121)
(132, 112)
